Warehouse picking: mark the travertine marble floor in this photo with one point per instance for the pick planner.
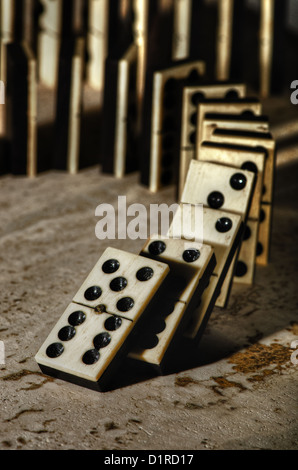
(237, 390)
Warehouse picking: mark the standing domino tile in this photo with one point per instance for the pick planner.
(252, 160)
(223, 232)
(220, 187)
(97, 328)
(7, 33)
(221, 98)
(97, 42)
(182, 29)
(50, 23)
(261, 141)
(119, 109)
(246, 121)
(191, 265)
(245, 109)
(224, 39)
(243, 158)
(194, 95)
(266, 45)
(152, 18)
(255, 140)
(159, 146)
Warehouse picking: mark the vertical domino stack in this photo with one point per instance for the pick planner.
(224, 188)
(181, 312)
(253, 160)
(223, 231)
(265, 142)
(207, 121)
(192, 96)
(191, 267)
(239, 117)
(160, 146)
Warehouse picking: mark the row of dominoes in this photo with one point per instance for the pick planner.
(155, 150)
(185, 16)
(141, 305)
(107, 41)
(216, 123)
(234, 132)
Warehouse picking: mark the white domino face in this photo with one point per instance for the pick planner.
(191, 97)
(256, 140)
(243, 159)
(83, 342)
(188, 262)
(220, 230)
(219, 187)
(103, 312)
(123, 282)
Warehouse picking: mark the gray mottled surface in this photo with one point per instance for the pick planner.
(238, 390)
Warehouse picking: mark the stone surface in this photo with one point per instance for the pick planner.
(237, 390)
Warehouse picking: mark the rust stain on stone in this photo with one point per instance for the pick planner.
(260, 377)
(34, 386)
(24, 373)
(19, 375)
(260, 356)
(184, 381)
(223, 382)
